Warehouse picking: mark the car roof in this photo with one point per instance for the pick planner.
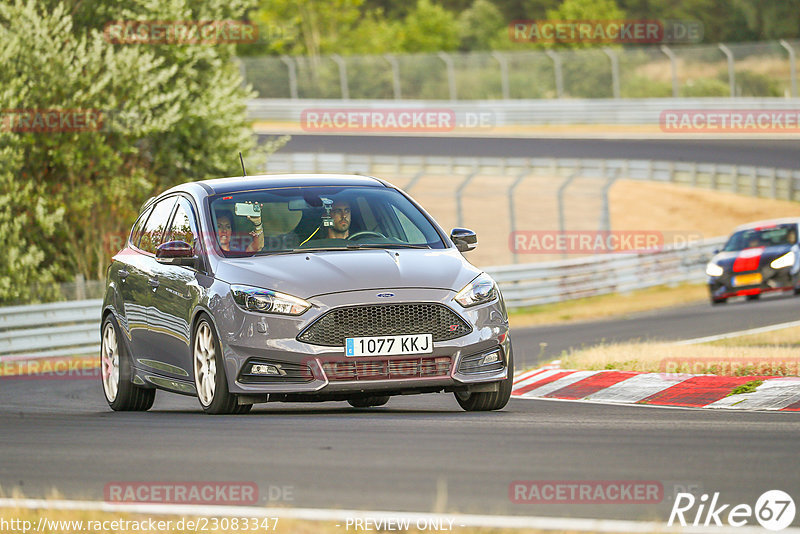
(768, 222)
(268, 181)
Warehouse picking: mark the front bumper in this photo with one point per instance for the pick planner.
(314, 371)
(724, 286)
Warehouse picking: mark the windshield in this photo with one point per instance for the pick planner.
(781, 234)
(304, 218)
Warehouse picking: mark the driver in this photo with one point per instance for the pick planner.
(340, 213)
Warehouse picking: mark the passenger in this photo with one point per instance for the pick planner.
(228, 241)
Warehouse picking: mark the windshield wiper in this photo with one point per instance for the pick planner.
(388, 245)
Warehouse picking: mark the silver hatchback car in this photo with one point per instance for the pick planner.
(299, 288)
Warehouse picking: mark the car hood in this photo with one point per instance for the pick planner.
(758, 256)
(310, 274)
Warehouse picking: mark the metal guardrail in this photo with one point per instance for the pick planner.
(49, 330)
(765, 182)
(498, 113)
(67, 328)
(544, 283)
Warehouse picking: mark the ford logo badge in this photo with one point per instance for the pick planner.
(385, 295)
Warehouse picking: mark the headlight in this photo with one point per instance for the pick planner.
(787, 260)
(480, 290)
(712, 269)
(255, 299)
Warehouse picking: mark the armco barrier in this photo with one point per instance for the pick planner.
(526, 112)
(66, 328)
(764, 182)
(542, 283)
(48, 330)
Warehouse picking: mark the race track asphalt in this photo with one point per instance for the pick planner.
(418, 453)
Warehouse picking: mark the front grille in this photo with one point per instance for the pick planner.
(332, 328)
(387, 369)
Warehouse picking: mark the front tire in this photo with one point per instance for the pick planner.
(116, 373)
(754, 297)
(489, 400)
(209, 373)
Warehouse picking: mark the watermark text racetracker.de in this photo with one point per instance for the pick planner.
(598, 242)
(394, 120)
(627, 31)
(195, 492)
(765, 121)
(586, 492)
(180, 32)
(65, 120)
(730, 366)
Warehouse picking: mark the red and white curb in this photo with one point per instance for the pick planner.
(658, 389)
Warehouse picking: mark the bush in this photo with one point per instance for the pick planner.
(169, 114)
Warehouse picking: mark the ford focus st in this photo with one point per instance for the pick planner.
(299, 288)
(758, 258)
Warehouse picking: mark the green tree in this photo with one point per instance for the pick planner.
(429, 28)
(480, 25)
(167, 114)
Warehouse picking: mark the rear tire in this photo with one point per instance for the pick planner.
(368, 402)
(754, 297)
(116, 373)
(716, 302)
(209, 373)
(489, 400)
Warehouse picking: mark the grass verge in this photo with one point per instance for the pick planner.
(768, 354)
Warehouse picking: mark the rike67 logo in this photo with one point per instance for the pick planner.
(774, 510)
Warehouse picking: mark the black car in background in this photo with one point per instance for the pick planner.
(759, 257)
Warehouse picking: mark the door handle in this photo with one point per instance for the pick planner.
(153, 282)
(123, 274)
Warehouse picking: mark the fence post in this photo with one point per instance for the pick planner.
(773, 184)
(459, 193)
(561, 220)
(292, 76)
(395, 74)
(342, 76)
(612, 55)
(80, 287)
(501, 59)
(731, 71)
(558, 73)
(674, 66)
(451, 73)
(605, 216)
(792, 65)
(511, 212)
(414, 180)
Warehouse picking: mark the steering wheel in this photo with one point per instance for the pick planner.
(366, 232)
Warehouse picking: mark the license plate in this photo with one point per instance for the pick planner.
(389, 345)
(747, 279)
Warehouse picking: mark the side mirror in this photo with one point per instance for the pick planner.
(465, 240)
(176, 253)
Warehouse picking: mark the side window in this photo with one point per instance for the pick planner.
(184, 226)
(138, 227)
(153, 234)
